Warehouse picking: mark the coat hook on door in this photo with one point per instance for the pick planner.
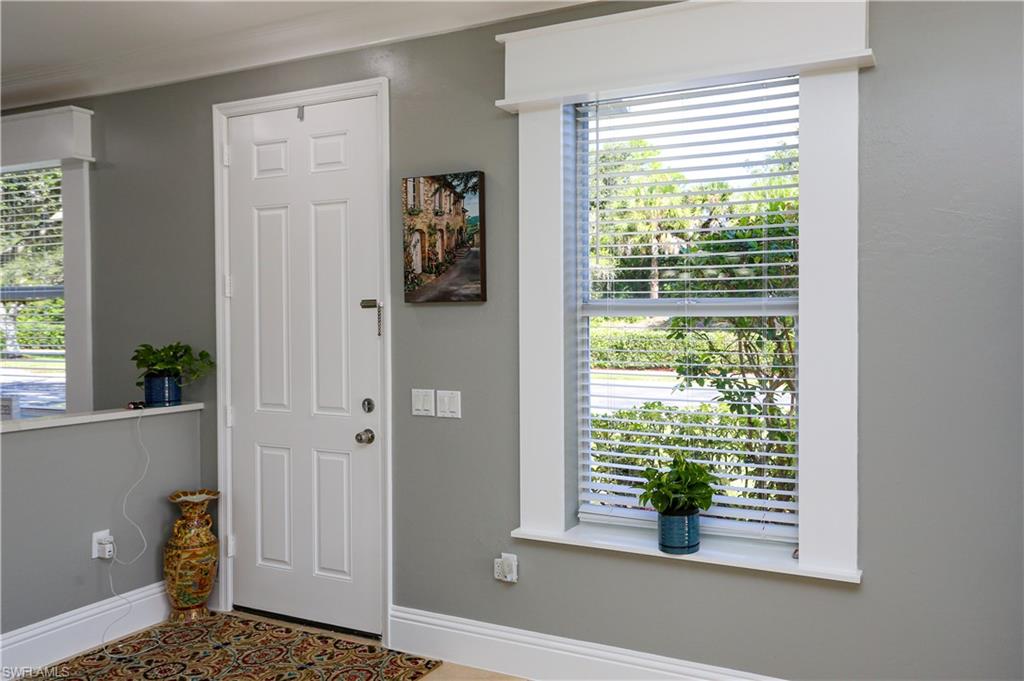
(302, 113)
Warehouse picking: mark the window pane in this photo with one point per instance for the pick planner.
(688, 278)
(692, 194)
(722, 391)
(32, 367)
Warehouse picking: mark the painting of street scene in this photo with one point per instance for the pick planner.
(443, 238)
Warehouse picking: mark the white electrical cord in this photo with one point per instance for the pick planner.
(145, 543)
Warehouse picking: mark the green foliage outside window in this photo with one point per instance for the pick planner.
(31, 254)
(711, 241)
(41, 324)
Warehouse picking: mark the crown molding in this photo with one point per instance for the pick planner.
(346, 27)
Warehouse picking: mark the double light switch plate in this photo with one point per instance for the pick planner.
(448, 403)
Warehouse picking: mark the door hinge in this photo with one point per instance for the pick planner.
(229, 289)
(231, 546)
(229, 416)
(225, 154)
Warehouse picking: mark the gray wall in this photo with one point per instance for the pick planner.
(62, 484)
(941, 357)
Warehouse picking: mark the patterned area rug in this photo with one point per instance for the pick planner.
(226, 647)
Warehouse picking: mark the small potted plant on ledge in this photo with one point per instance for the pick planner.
(678, 493)
(165, 370)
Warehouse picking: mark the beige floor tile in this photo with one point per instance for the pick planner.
(456, 672)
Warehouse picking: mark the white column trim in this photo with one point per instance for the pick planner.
(828, 326)
(77, 284)
(542, 488)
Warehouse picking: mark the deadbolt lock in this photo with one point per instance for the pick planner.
(369, 405)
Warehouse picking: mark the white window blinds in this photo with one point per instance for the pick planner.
(687, 206)
(32, 289)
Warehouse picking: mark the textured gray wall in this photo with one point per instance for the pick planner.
(62, 484)
(941, 365)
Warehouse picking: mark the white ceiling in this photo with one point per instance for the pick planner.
(61, 50)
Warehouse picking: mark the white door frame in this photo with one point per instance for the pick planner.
(223, 598)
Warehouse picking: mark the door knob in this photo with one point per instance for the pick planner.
(365, 437)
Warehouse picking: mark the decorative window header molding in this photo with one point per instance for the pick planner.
(687, 44)
(39, 139)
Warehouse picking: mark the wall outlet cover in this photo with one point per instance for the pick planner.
(96, 537)
(506, 568)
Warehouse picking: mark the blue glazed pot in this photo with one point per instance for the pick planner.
(679, 533)
(162, 391)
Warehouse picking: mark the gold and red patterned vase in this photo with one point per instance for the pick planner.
(190, 557)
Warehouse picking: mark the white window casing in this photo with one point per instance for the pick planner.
(678, 47)
(62, 137)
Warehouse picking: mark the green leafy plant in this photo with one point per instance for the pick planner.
(684, 487)
(175, 361)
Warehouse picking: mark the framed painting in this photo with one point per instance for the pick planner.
(443, 238)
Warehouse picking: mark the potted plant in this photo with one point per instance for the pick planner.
(678, 493)
(165, 370)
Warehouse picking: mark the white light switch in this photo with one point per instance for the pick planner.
(422, 402)
(449, 404)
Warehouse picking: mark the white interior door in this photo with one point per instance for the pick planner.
(305, 246)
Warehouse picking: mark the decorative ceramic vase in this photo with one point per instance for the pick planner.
(190, 557)
(679, 532)
(162, 391)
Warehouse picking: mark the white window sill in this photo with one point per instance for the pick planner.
(768, 556)
(61, 420)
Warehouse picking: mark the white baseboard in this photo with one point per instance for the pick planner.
(57, 638)
(534, 655)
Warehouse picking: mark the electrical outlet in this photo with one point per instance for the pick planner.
(506, 568)
(102, 545)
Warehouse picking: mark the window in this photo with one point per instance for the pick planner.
(687, 305)
(410, 192)
(663, 204)
(32, 290)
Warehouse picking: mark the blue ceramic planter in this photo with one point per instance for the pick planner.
(162, 391)
(679, 534)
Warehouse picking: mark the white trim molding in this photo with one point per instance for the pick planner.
(223, 595)
(533, 655)
(680, 46)
(41, 139)
(69, 419)
(80, 630)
